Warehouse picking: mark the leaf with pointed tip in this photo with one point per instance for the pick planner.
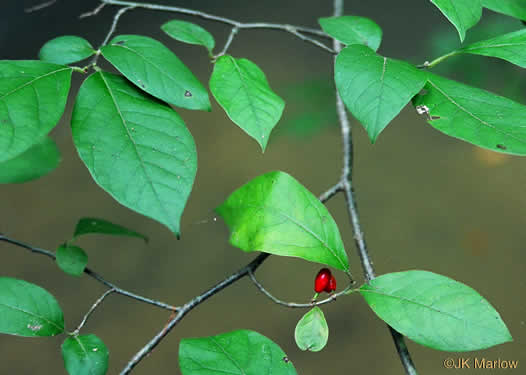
(189, 32)
(513, 8)
(374, 88)
(71, 259)
(28, 310)
(353, 30)
(435, 311)
(510, 47)
(136, 148)
(274, 213)
(312, 331)
(463, 14)
(37, 161)
(65, 50)
(90, 225)
(152, 67)
(240, 352)
(474, 115)
(242, 89)
(33, 97)
(85, 355)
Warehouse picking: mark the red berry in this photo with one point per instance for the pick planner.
(331, 286)
(321, 282)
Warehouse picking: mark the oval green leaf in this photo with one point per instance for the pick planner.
(435, 311)
(28, 310)
(189, 32)
(65, 50)
(312, 331)
(510, 47)
(240, 352)
(353, 30)
(85, 355)
(473, 115)
(513, 8)
(463, 14)
(34, 163)
(136, 148)
(242, 90)
(274, 213)
(33, 97)
(152, 67)
(90, 225)
(374, 88)
(71, 259)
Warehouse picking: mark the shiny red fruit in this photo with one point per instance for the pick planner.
(322, 280)
(331, 286)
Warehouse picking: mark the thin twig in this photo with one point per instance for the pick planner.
(114, 23)
(346, 182)
(294, 304)
(251, 267)
(93, 12)
(331, 192)
(229, 41)
(92, 274)
(92, 309)
(40, 6)
(298, 31)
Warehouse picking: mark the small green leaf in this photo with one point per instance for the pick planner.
(353, 30)
(66, 50)
(85, 355)
(89, 225)
(152, 67)
(28, 310)
(463, 14)
(435, 311)
(312, 331)
(513, 8)
(189, 32)
(71, 259)
(274, 213)
(374, 88)
(510, 47)
(137, 149)
(242, 89)
(39, 160)
(240, 352)
(33, 97)
(473, 115)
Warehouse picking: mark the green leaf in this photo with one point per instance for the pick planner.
(37, 161)
(33, 97)
(71, 259)
(312, 331)
(28, 310)
(189, 32)
(66, 50)
(274, 213)
(85, 355)
(435, 311)
(240, 352)
(463, 14)
(353, 30)
(242, 89)
(136, 148)
(374, 88)
(513, 8)
(89, 225)
(474, 115)
(510, 47)
(151, 66)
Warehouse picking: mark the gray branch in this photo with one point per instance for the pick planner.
(93, 274)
